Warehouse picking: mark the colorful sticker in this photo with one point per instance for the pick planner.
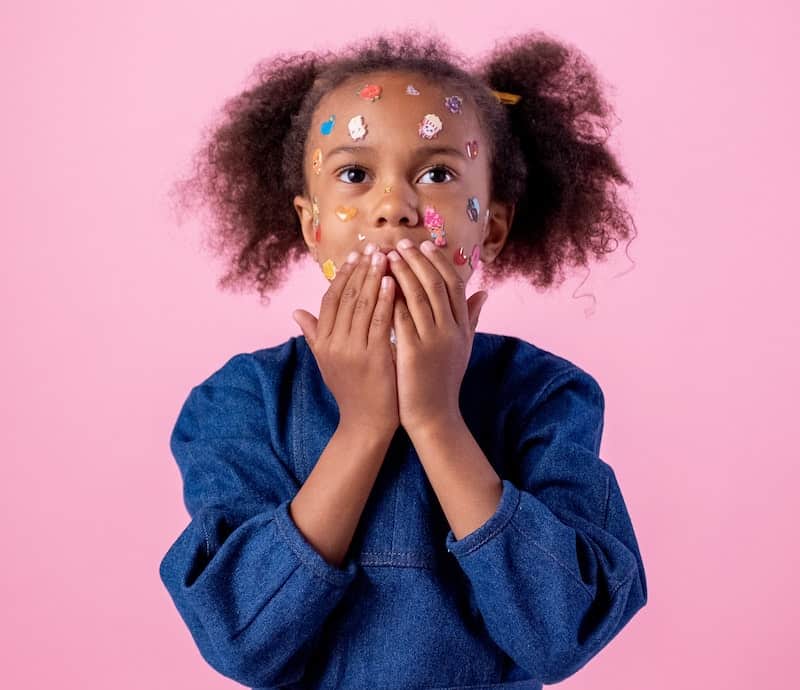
(473, 208)
(411, 91)
(316, 161)
(435, 225)
(315, 219)
(453, 104)
(329, 269)
(472, 150)
(460, 258)
(327, 126)
(357, 127)
(430, 126)
(370, 92)
(345, 213)
(362, 236)
(476, 254)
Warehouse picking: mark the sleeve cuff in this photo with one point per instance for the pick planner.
(509, 502)
(287, 528)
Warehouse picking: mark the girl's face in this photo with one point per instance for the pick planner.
(392, 155)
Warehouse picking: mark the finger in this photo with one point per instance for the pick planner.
(456, 285)
(365, 304)
(382, 316)
(414, 293)
(308, 325)
(350, 295)
(434, 283)
(330, 300)
(403, 322)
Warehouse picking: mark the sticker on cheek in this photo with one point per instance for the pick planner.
(316, 161)
(460, 258)
(434, 223)
(475, 256)
(345, 213)
(472, 149)
(329, 269)
(411, 91)
(473, 208)
(357, 127)
(315, 219)
(370, 92)
(453, 104)
(327, 126)
(430, 126)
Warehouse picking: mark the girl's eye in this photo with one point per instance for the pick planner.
(436, 175)
(354, 174)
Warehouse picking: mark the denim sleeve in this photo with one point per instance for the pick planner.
(252, 591)
(556, 570)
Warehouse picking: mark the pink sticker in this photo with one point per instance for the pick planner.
(435, 225)
(475, 256)
(430, 126)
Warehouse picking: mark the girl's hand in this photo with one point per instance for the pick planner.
(350, 342)
(435, 327)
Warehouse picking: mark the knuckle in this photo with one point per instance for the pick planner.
(349, 293)
(362, 302)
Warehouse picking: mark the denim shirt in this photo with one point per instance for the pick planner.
(529, 597)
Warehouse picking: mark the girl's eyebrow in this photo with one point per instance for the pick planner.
(419, 152)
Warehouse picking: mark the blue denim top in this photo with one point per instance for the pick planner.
(529, 597)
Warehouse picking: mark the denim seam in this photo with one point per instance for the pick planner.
(554, 381)
(556, 559)
(504, 520)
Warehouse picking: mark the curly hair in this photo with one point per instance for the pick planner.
(548, 154)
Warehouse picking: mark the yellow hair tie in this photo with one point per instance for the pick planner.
(507, 98)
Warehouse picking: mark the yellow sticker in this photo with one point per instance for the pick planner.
(316, 161)
(329, 269)
(345, 213)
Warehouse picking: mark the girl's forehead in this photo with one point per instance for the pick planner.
(406, 105)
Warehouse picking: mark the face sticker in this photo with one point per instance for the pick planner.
(472, 150)
(327, 127)
(476, 254)
(430, 126)
(435, 225)
(316, 161)
(473, 208)
(345, 213)
(460, 258)
(453, 104)
(361, 236)
(411, 91)
(357, 127)
(329, 269)
(370, 92)
(315, 219)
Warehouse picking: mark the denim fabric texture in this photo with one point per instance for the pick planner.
(526, 599)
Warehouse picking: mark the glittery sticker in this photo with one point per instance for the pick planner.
(357, 127)
(327, 126)
(473, 208)
(459, 257)
(370, 92)
(329, 269)
(430, 126)
(411, 91)
(453, 104)
(472, 150)
(315, 219)
(316, 161)
(435, 225)
(474, 256)
(345, 213)
(362, 236)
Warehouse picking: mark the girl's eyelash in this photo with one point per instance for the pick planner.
(435, 166)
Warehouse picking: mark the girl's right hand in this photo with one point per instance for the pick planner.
(350, 342)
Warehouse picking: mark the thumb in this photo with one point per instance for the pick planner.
(308, 324)
(475, 306)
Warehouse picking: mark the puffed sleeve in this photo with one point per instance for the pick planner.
(252, 591)
(556, 570)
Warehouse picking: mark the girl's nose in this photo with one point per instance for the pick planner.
(396, 206)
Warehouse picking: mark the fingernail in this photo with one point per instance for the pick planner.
(377, 257)
(393, 256)
(369, 248)
(428, 247)
(385, 282)
(405, 243)
(352, 257)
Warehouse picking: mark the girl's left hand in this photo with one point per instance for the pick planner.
(434, 326)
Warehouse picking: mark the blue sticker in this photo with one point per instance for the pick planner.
(473, 208)
(327, 126)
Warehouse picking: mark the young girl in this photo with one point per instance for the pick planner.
(392, 499)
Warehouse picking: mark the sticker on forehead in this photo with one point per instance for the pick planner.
(473, 208)
(327, 126)
(370, 92)
(435, 225)
(357, 127)
(472, 149)
(316, 161)
(345, 213)
(329, 269)
(453, 104)
(411, 91)
(430, 126)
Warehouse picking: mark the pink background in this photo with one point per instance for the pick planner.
(112, 315)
